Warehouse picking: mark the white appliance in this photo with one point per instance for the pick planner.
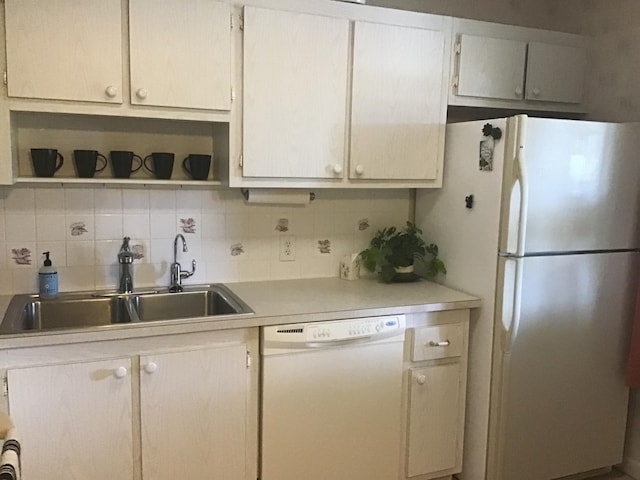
(331, 401)
(548, 240)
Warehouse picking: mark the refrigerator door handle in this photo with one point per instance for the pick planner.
(521, 178)
(516, 203)
(511, 300)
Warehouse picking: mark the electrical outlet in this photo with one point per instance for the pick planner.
(287, 248)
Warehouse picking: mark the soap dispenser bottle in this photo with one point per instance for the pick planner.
(48, 278)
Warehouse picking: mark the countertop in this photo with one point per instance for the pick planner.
(277, 302)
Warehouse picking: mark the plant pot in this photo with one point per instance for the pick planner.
(404, 274)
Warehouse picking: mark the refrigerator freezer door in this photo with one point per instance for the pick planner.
(559, 401)
(580, 183)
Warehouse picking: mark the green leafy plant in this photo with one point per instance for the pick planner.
(392, 248)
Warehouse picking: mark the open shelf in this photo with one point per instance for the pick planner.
(143, 136)
(118, 181)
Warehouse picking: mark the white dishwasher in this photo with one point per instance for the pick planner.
(331, 401)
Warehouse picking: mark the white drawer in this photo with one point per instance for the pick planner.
(438, 341)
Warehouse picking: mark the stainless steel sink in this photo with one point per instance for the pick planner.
(186, 304)
(27, 313)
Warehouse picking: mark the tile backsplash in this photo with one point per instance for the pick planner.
(229, 239)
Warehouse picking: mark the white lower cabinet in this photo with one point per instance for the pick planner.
(185, 412)
(433, 412)
(193, 413)
(436, 366)
(74, 420)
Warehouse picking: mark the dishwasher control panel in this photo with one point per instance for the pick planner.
(351, 329)
(300, 336)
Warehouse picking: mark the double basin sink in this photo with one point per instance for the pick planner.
(29, 313)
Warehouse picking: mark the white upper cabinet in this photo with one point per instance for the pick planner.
(398, 108)
(502, 66)
(64, 50)
(342, 95)
(180, 53)
(483, 58)
(295, 94)
(555, 73)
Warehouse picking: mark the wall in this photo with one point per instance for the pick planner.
(230, 240)
(548, 14)
(613, 95)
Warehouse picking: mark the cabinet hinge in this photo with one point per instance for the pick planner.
(241, 161)
(457, 48)
(248, 359)
(5, 387)
(4, 77)
(456, 80)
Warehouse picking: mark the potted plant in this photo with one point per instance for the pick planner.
(392, 254)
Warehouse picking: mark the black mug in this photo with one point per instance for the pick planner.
(197, 166)
(46, 161)
(86, 162)
(122, 163)
(162, 164)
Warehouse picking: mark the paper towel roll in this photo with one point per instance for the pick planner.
(278, 196)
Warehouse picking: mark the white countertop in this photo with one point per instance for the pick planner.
(277, 302)
(333, 298)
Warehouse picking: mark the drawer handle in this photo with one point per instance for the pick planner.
(446, 343)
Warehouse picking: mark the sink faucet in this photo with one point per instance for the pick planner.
(177, 274)
(125, 259)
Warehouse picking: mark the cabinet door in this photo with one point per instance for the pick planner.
(193, 414)
(555, 73)
(295, 94)
(434, 412)
(74, 420)
(180, 53)
(64, 50)
(398, 113)
(491, 67)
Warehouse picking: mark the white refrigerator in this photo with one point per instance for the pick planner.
(542, 225)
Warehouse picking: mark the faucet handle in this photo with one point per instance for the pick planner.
(186, 274)
(125, 244)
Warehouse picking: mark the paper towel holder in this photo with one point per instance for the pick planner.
(245, 194)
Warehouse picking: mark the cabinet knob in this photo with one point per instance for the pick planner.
(337, 169)
(151, 367)
(359, 169)
(111, 91)
(120, 372)
(421, 379)
(142, 93)
(536, 92)
(518, 91)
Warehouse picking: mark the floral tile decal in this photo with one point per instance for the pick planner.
(78, 228)
(188, 225)
(363, 224)
(137, 251)
(282, 225)
(237, 249)
(324, 246)
(22, 256)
